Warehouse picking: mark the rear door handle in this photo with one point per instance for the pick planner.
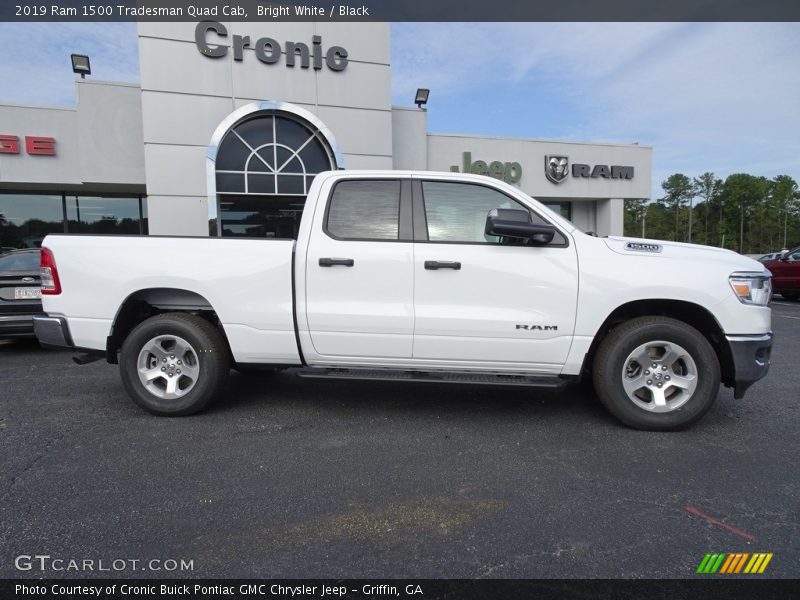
(332, 262)
(433, 265)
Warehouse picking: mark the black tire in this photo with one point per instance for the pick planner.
(614, 369)
(790, 295)
(205, 365)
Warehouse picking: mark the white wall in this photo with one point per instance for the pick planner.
(583, 215)
(98, 143)
(158, 133)
(186, 95)
(610, 216)
(410, 138)
(446, 150)
(591, 198)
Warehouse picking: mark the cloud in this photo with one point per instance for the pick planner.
(40, 71)
(707, 96)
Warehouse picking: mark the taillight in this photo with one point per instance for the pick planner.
(51, 286)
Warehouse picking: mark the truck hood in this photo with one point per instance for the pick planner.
(659, 249)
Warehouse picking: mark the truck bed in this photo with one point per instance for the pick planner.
(247, 281)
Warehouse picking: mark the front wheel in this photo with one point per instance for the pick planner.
(174, 364)
(656, 373)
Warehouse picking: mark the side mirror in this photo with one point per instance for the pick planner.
(508, 222)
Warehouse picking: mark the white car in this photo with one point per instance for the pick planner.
(417, 276)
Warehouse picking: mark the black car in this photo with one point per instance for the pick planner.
(20, 292)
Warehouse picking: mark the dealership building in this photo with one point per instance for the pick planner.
(231, 121)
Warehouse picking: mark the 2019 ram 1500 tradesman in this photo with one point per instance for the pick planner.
(416, 276)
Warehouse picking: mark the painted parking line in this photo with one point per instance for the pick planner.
(786, 317)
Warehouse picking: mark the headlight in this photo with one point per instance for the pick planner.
(752, 288)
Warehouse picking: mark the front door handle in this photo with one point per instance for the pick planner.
(332, 262)
(433, 265)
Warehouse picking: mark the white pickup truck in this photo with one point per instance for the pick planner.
(416, 276)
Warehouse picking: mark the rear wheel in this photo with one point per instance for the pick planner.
(656, 373)
(174, 364)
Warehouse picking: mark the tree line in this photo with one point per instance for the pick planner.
(744, 213)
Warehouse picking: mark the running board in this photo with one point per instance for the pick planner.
(548, 382)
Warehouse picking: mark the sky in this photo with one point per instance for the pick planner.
(720, 97)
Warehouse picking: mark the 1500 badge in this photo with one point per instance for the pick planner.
(639, 247)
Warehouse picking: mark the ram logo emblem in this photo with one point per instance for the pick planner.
(556, 167)
(538, 327)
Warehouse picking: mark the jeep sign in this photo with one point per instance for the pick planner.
(510, 172)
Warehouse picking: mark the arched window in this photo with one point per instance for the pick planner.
(271, 154)
(263, 169)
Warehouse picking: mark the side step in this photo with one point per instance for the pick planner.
(500, 379)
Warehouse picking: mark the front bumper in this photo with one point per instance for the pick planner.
(52, 332)
(750, 354)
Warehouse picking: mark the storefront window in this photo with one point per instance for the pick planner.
(145, 219)
(26, 218)
(103, 215)
(256, 216)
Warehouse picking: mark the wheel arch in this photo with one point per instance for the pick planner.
(145, 303)
(690, 313)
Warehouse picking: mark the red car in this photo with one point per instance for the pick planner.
(786, 274)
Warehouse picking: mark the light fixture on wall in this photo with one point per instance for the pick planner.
(81, 65)
(421, 98)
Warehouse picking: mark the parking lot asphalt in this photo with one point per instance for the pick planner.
(299, 478)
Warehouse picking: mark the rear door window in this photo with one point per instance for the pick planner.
(364, 210)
